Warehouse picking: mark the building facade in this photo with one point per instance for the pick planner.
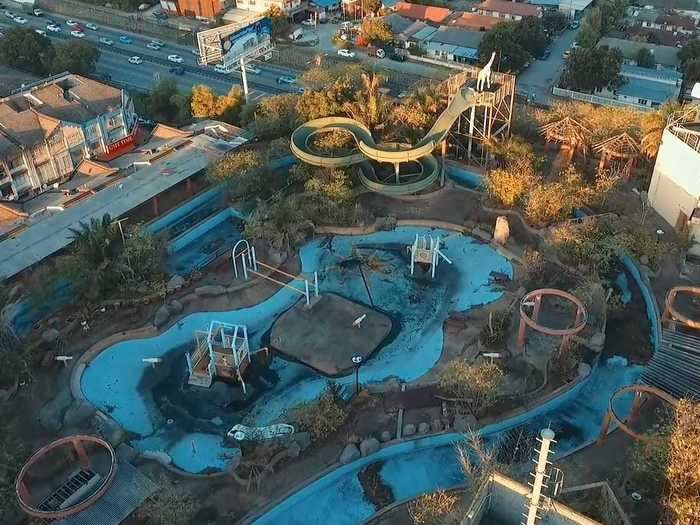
(51, 126)
(508, 10)
(203, 9)
(289, 7)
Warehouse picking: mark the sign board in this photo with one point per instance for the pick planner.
(226, 45)
(121, 146)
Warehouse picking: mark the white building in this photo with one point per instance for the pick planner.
(289, 7)
(674, 191)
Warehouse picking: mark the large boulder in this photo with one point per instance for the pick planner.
(369, 446)
(210, 290)
(79, 412)
(51, 414)
(175, 283)
(162, 316)
(175, 307)
(349, 454)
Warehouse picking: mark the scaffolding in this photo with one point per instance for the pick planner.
(246, 259)
(221, 351)
(489, 120)
(426, 250)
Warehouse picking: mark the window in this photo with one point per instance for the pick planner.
(643, 102)
(64, 164)
(17, 162)
(45, 173)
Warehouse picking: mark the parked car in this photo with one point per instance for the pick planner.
(398, 56)
(574, 24)
(106, 41)
(10, 14)
(20, 20)
(177, 70)
(125, 39)
(308, 22)
(154, 47)
(135, 60)
(71, 23)
(346, 53)
(91, 26)
(38, 12)
(220, 68)
(40, 32)
(53, 28)
(175, 58)
(77, 34)
(296, 34)
(285, 79)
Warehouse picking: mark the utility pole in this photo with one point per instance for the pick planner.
(540, 474)
(245, 80)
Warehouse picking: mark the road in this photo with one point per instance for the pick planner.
(113, 61)
(537, 80)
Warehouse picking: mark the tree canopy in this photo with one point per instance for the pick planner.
(591, 69)
(645, 58)
(514, 43)
(280, 23)
(376, 30)
(689, 56)
(165, 104)
(205, 104)
(26, 50)
(77, 56)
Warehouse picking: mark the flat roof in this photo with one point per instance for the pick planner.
(658, 92)
(46, 237)
(665, 55)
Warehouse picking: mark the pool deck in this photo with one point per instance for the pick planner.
(323, 337)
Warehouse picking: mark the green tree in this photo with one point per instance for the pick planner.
(26, 50)
(161, 106)
(689, 56)
(591, 69)
(591, 29)
(77, 56)
(417, 111)
(653, 125)
(554, 21)
(691, 70)
(241, 171)
(325, 102)
(280, 23)
(143, 254)
(376, 30)
(510, 54)
(371, 106)
(228, 106)
(273, 117)
(529, 33)
(645, 58)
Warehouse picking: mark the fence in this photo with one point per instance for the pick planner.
(134, 22)
(595, 99)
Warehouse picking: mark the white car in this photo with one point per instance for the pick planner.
(175, 58)
(153, 45)
(219, 68)
(20, 20)
(40, 32)
(159, 43)
(91, 26)
(10, 14)
(53, 28)
(135, 60)
(106, 41)
(38, 12)
(71, 23)
(249, 68)
(346, 53)
(308, 22)
(77, 34)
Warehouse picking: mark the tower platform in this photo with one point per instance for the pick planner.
(323, 337)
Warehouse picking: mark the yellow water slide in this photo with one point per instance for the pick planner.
(394, 154)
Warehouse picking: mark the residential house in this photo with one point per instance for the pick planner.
(666, 56)
(50, 126)
(453, 44)
(648, 87)
(669, 21)
(425, 13)
(474, 22)
(571, 8)
(505, 10)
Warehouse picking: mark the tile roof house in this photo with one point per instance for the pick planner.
(425, 13)
(474, 22)
(664, 55)
(454, 44)
(508, 10)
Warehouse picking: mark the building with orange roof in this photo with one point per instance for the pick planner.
(425, 13)
(474, 22)
(508, 10)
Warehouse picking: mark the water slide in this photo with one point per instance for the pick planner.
(395, 154)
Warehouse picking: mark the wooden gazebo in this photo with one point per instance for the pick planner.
(620, 151)
(568, 133)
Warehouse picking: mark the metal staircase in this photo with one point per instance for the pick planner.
(71, 492)
(675, 366)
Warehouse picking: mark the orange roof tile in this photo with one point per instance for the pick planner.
(427, 13)
(475, 21)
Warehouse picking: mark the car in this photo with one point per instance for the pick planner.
(125, 39)
(308, 22)
(250, 68)
(220, 68)
(380, 53)
(159, 43)
(71, 23)
(53, 28)
(175, 58)
(77, 34)
(106, 41)
(346, 53)
(177, 70)
(10, 14)
(135, 60)
(154, 47)
(40, 32)
(399, 57)
(20, 20)
(38, 12)
(301, 90)
(284, 79)
(574, 24)
(78, 28)
(91, 26)
(566, 54)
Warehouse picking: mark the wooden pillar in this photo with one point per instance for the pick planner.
(156, 210)
(536, 309)
(601, 164)
(604, 428)
(522, 330)
(636, 405)
(82, 455)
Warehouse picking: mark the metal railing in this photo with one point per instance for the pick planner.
(596, 99)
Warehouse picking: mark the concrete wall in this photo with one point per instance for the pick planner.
(675, 185)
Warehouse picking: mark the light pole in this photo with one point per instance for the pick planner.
(357, 361)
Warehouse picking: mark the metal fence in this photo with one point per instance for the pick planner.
(595, 99)
(134, 22)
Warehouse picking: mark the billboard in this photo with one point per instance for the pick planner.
(230, 43)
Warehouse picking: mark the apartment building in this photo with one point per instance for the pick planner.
(203, 9)
(50, 126)
(289, 7)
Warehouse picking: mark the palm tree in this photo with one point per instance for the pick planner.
(653, 125)
(371, 106)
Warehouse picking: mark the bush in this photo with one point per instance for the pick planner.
(12, 362)
(588, 246)
(683, 474)
(431, 509)
(564, 362)
(494, 333)
(474, 384)
(337, 141)
(169, 505)
(509, 185)
(553, 201)
(322, 417)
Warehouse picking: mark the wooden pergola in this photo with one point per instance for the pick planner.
(621, 150)
(568, 133)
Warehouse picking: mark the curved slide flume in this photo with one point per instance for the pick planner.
(367, 148)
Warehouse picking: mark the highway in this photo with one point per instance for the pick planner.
(113, 60)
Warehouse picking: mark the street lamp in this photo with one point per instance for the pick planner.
(357, 361)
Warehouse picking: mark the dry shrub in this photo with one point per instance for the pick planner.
(169, 505)
(509, 185)
(334, 141)
(432, 509)
(564, 362)
(683, 472)
(321, 417)
(494, 333)
(553, 201)
(589, 245)
(476, 384)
